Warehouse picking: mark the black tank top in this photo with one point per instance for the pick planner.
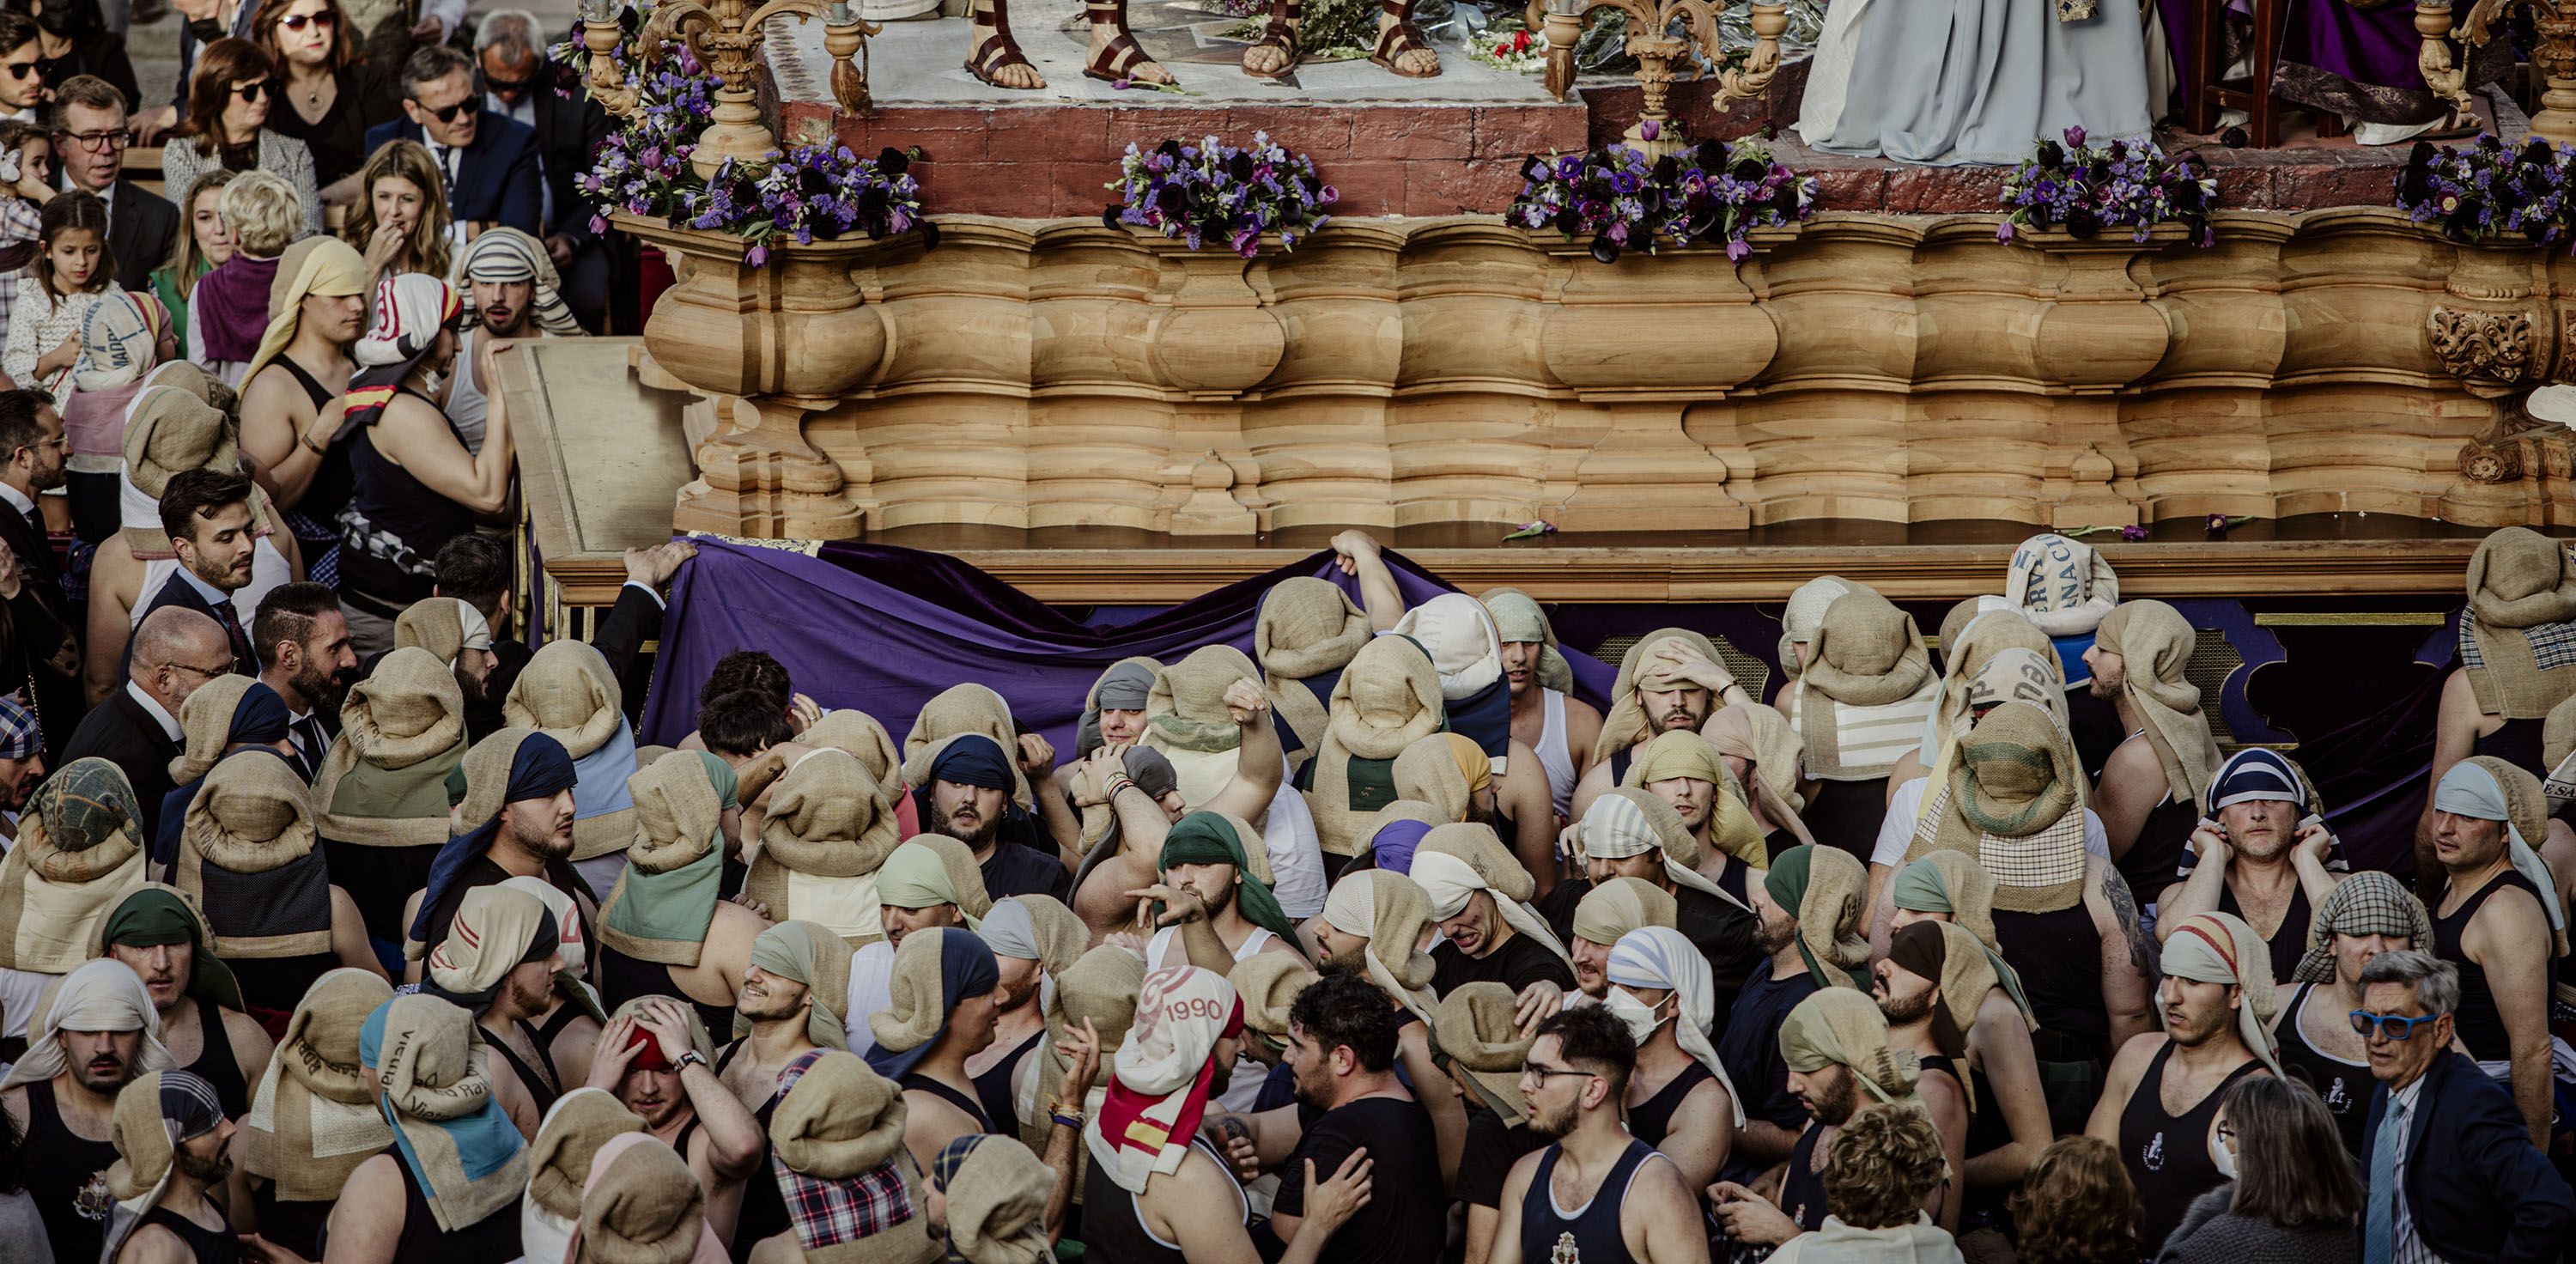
(1619, 761)
(206, 1246)
(1802, 1186)
(623, 978)
(1845, 815)
(2517, 742)
(1593, 1228)
(993, 1087)
(974, 1109)
(2168, 1155)
(764, 1209)
(2059, 958)
(394, 502)
(2480, 1023)
(278, 984)
(2290, 941)
(1652, 1119)
(541, 1086)
(328, 493)
(2153, 860)
(2345, 1086)
(66, 1175)
(215, 1062)
(297, 1226)
(494, 1237)
(1114, 1229)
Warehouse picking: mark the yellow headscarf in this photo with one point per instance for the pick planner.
(326, 266)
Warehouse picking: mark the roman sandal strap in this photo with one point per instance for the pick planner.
(1001, 52)
(1404, 36)
(1118, 58)
(1281, 33)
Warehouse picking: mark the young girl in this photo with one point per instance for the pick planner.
(71, 276)
(26, 184)
(205, 246)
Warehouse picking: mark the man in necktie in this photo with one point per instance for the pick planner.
(488, 160)
(207, 515)
(2453, 1176)
(303, 643)
(40, 658)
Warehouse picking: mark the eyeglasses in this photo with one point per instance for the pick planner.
(2388, 1026)
(298, 21)
(1544, 1072)
(506, 87)
(97, 142)
(210, 674)
(253, 90)
(21, 69)
(446, 113)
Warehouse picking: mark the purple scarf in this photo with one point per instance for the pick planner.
(232, 307)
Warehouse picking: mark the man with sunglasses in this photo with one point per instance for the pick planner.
(90, 138)
(518, 84)
(22, 79)
(41, 641)
(2471, 1190)
(488, 162)
(175, 652)
(1576, 1076)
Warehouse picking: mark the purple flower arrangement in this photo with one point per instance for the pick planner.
(1711, 193)
(810, 192)
(2083, 190)
(2486, 191)
(1212, 191)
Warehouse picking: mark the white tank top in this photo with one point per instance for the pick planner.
(268, 570)
(1245, 1083)
(466, 406)
(1553, 757)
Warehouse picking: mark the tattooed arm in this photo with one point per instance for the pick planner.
(2128, 957)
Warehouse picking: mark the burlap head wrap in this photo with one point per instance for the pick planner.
(568, 693)
(77, 857)
(1612, 909)
(839, 1121)
(1100, 988)
(1757, 733)
(1826, 888)
(1186, 719)
(1518, 620)
(827, 818)
(1966, 651)
(997, 1202)
(805, 953)
(408, 713)
(1804, 613)
(435, 1081)
(1387, 699)
(312, 1120)
(1269, 983)
(2221, 948)
(1391, 911)
(206, 725)
(559, 1160)
(2514, 635)
(2488, 788)
(1476, 1032)
(1689, 756)
(1306, 627)
(1954, 626)
(1458, 632)
(2013, 803)
(254, 816)
(1456, 861)
(319, 265)
(1866, 652)
(446, 627)
(643, 1205)
(2062, 586)
(1626, 726)
(1427, 772)
(2156, 643)
(859, 734)
(962, 709)
(1947, 955)
(1842, 1027)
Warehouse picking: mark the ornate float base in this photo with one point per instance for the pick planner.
(1392, 373)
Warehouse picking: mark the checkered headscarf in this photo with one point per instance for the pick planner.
(2367, 903)
(20, 735)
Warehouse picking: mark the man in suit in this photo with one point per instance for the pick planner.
(2468, 1189)
(519, 84)
(488, 162)
(137, 728)
(206, 514)
(89, 144)
(475, 568)
(303, 644)
(39, 660)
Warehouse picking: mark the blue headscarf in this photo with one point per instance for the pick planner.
(2256, 773)
(972, 759)
(482, 1143)
(966, 970)
(259, 719)
(1394, 845)
(539, 769)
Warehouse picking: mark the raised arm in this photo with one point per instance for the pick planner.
(2200, 892)
(1258, 761)
(1356, 552)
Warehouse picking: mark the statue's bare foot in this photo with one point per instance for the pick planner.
(995, 57)
(1401, 45)
(1115, 55)
(1275, 53)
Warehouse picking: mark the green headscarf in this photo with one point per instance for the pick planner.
(1920, 887)
(918, 877)
(1207, 838)
(817, 958)
(1786, 882)
(155, 916)
(658, 911)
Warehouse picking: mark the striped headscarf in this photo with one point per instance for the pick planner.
(505, 255)
(2221, 948)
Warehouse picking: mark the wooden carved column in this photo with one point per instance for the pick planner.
(2100, 332)
(2492, 330)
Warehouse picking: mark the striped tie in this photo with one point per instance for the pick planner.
(2379, 1222)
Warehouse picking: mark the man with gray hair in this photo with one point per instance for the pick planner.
(519, 83)
(2473, 1190)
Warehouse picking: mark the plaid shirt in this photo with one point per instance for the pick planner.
(834, 1212)
(19, 737)
(18, 223)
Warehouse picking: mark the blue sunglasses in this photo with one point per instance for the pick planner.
(2388, 1026)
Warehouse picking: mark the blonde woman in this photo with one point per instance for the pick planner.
(229, 310)
(203, 246)
(400, 224)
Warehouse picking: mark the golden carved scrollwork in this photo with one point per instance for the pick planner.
(2489, 351)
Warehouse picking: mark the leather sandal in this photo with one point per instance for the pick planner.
(1119, 58)
(1000, 52)
(1404, 36)
(1281, 33)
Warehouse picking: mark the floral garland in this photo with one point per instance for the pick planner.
(1514, 50)
(1214, 191)
(2126, 184)
(810, 192)
(2485, 192)
(1711, 193)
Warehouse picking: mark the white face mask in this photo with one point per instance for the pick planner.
(2222, 1157)
(1639, 1016)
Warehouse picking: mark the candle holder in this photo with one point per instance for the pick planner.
(726, 36)
(1670, 40)
(2553, 56)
